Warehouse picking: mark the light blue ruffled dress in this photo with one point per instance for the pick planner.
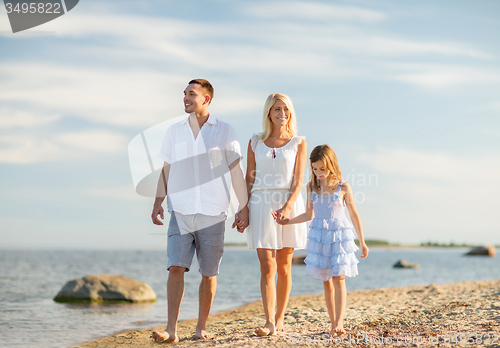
(330, 243)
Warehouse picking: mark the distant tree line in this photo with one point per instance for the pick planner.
(451, 244)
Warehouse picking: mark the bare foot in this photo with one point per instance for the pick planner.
(337, 331)
(201, 334)
(160, 337)
(279, 326)
(266, 330)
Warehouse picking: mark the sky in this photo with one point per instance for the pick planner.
(407, 93)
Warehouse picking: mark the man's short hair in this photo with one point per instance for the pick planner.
(206, 85)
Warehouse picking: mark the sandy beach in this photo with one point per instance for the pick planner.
(464, 314)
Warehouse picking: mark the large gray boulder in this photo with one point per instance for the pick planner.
(484, 250)
(105, 287)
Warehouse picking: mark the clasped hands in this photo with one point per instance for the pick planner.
(241, 218)
(282, 216)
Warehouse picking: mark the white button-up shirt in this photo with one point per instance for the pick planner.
(199, 180)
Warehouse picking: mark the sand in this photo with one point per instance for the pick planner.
(448, 315)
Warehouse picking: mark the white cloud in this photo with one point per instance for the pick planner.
(435, 167)
(446, 75)
(4, 24)
(10, 117)
(492, 131)
(493, 107)
(228, 42)
(101, 95)
(387, 45)
(436, 196)
(25, 149)
(95, 141)
(139, 96)
(121, 193)
(316, 11)
(126, 98)
(411, 164)
(180, 39)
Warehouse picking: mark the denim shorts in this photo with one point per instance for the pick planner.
(208, 243)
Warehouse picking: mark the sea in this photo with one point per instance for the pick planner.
(29, 280)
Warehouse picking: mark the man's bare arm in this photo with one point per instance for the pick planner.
(240, 190)
(161, 193)
(239, 185)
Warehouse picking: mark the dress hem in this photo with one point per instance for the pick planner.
(293, 247)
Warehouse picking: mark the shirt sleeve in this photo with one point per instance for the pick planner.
(232, 149)
(166, 147)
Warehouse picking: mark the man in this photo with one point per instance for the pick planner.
(201, 154)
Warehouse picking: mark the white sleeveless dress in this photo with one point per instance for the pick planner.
(271, 189)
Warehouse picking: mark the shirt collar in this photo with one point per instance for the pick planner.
(211, 120)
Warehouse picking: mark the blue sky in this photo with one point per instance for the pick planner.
(407, 94)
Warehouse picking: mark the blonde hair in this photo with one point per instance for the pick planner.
(267, 124)
(327, 155)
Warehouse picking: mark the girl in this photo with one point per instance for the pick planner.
(330, 243)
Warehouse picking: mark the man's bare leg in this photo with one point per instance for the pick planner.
(175, 293)
(208, 286)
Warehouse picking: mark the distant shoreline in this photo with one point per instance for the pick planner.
(401, 246)
(428, 315)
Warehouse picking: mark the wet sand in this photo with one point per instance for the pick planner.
(459, 314)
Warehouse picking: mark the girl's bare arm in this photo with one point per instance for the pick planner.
(356, 221)
(308, 215)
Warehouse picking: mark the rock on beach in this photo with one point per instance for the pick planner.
(105, 287)
(299, 259)
(484, 250)
(405, 264)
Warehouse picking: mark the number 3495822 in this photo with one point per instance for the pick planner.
(33, 7)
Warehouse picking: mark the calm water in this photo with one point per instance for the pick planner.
(30, 279)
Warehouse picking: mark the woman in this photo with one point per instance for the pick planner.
(276, 162)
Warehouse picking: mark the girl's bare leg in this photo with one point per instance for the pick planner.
(339, 308)
(330, 300)
(284, 285)
(267, 260)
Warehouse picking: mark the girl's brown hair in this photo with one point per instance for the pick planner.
(327, 155)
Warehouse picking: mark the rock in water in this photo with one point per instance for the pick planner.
(298, 259)
(484, 250)
(405, 264)
(105, 287)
